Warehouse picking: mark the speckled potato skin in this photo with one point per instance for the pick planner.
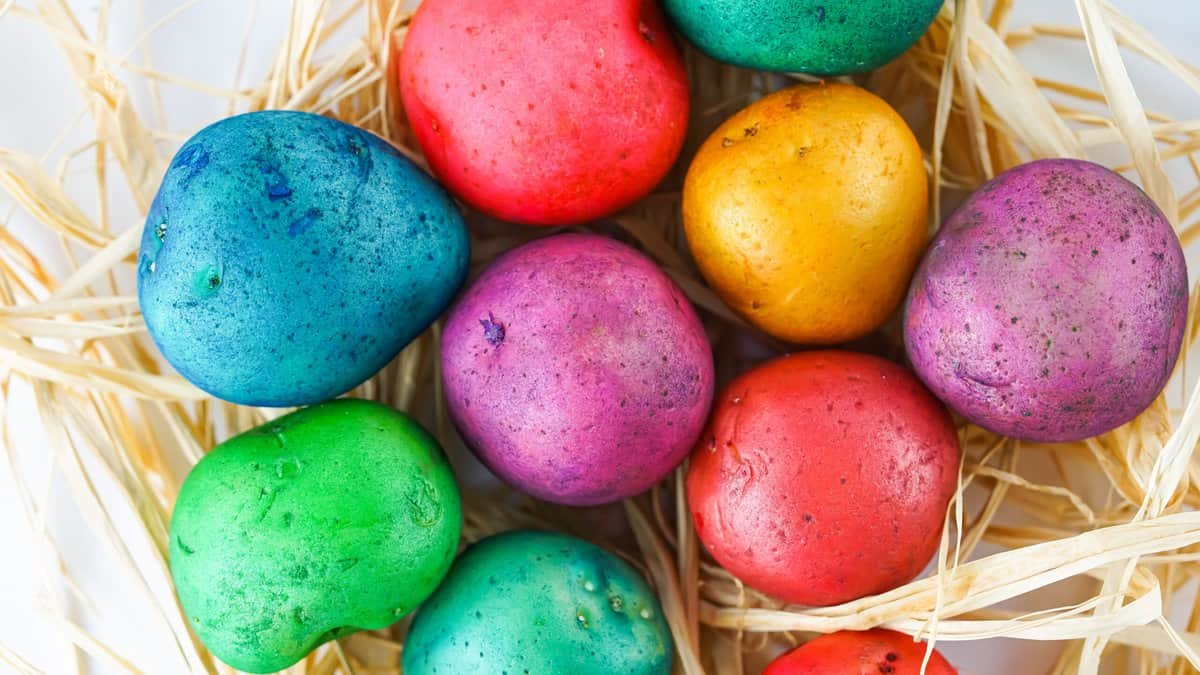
(545, 112)
(539, 602)
(806, 212)
(288, 257)
(824, 477)
(577, 370)
(1051, 306)
(339, 517)
(872, 652)
(821, 37)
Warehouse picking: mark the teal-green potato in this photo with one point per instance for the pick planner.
(820, 37)
(287, 257)
(335, 518)
(540, 603)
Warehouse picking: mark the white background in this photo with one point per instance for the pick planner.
(39, 99)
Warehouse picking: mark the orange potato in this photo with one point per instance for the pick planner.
(806, 212)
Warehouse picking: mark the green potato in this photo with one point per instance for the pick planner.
(822, 37)
(339, 517)
(539, 603)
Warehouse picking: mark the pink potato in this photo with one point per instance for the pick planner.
(545, 112)
(577, 370)
(1051, 306)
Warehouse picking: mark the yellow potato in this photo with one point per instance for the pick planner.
(806, 212)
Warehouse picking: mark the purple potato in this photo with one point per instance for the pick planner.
(1051, 306)
(577, 370)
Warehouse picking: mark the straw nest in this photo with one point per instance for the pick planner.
(1114, 511)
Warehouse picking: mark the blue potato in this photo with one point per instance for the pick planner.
(288, 257)
(539, 602)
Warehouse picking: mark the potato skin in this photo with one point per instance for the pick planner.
(287, 257)
(335, 518)
(869, 652)
(545, 112)
(1051, 306)
(577, 370)
(806, 212)
(539, 602)
(823, 477)
(822, 37)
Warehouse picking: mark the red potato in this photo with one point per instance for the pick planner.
(824, 477)
(545, 112)
(873, 652)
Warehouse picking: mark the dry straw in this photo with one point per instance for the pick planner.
(117, 422)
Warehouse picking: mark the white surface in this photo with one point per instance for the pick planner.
(39, 100)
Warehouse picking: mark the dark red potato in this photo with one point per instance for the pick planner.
(545, 112)
(824, 477)
(873, 652)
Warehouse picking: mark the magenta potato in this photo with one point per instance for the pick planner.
(577, 370)
(1051, 306)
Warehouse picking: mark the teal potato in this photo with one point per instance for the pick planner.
(335, 518)
(287, 257)
(821, 37)
(539, 602)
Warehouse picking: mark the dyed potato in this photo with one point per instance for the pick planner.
(823, 37)
(824, 477)
(539, 602)
(853, 653)
(288, 257)
(1052, 304)
(336, 518)
(806, 212)
(577, 370)
(545, 112)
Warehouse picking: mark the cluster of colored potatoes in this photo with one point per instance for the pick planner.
(288, 257)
